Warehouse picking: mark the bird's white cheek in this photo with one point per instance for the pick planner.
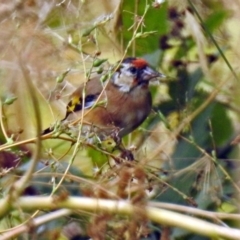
(123, 81)
(125, 88)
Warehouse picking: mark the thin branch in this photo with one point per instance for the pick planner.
(213, 40)
(21, 184)
(195, 211)
(161, 216)
(187, 121)
(1, 122)
(35, 223)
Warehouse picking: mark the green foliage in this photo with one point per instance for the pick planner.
(183, 152)
(155, 21)
(216, 19)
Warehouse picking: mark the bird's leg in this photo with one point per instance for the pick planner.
(125, 153)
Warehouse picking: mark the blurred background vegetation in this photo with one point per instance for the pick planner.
(187, 151)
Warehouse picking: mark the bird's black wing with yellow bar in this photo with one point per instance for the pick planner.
(92, 91)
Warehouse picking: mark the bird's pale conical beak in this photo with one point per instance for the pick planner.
(150, 73)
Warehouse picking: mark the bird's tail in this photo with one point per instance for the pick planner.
(46, 131)
(51, 128)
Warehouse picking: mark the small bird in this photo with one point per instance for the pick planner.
(117, 106)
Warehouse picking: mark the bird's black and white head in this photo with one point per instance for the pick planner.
(132, 73)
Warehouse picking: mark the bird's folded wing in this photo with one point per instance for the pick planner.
(85, 96)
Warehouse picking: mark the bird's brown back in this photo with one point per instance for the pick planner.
(113, 110)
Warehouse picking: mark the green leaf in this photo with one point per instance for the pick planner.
(10, 100)
(98, 62)
(216, 19)
(88, 31)
(60, 78)
(155, 21)
(222, 128)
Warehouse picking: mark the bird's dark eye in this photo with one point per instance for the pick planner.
(133, 70)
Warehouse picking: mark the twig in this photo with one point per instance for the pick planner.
(35, 223)
(20, 185)
(195, 211)
(187, 120)
(213, 40)
(1, 122)
(161, 216)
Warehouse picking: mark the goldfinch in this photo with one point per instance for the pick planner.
(119, 105)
